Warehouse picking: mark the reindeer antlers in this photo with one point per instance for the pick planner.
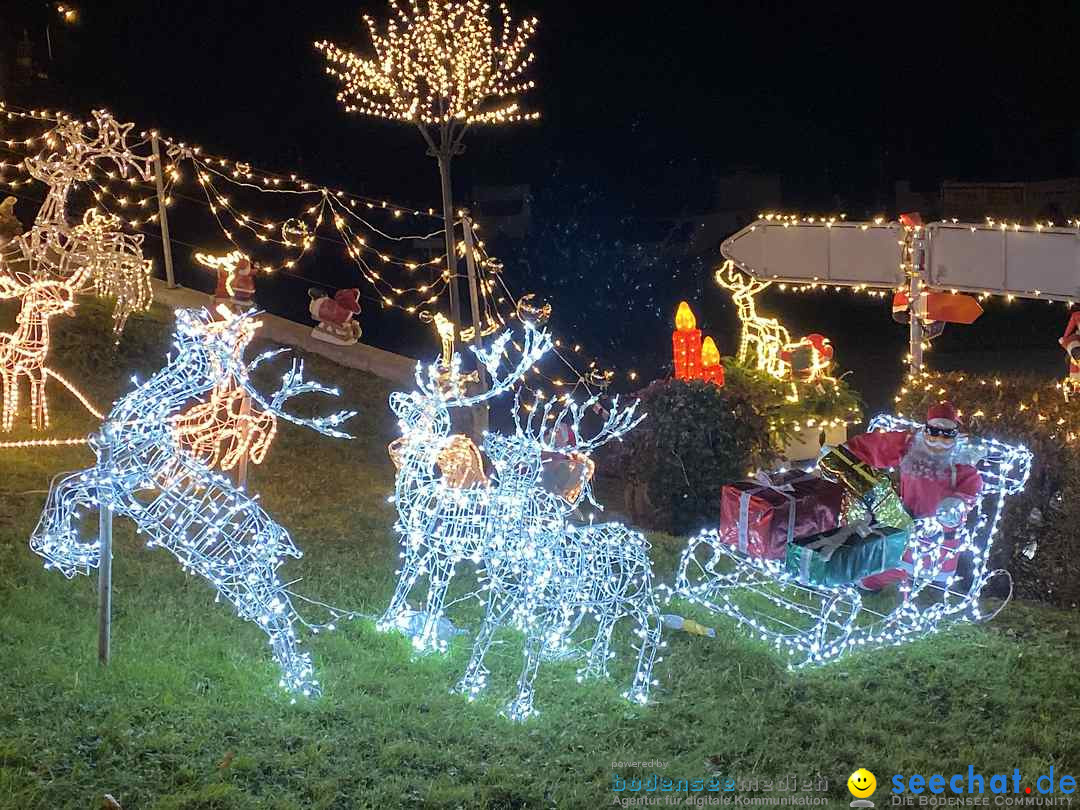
(293, 384)
(535, 344)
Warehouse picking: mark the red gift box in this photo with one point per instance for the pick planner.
(761, 517)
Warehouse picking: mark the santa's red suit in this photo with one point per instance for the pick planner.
(928, 478)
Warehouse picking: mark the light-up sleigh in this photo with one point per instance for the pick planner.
(813, 624)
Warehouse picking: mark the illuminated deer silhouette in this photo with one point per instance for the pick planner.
(211, 526)
(542, 574)
(767, 340)
(23, 352)
(53, 248)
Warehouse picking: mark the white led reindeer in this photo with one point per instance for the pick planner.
(213, 528)
(542, 574)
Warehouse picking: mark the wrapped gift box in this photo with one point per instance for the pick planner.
(844, 556)
(760, 518)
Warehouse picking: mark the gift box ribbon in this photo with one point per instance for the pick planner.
(785, 489)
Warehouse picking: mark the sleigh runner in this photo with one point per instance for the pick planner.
(814, 623)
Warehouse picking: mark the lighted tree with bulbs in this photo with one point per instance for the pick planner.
(443, 66)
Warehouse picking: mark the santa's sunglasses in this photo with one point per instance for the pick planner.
(943, 432)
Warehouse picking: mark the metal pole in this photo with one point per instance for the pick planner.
(105, 521)
(443, 157)
(242, 469)
(480, 413)
(915, 303)
(163, 217)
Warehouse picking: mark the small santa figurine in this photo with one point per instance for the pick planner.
(335, 315)
(1070, 342)
(934, 480)
(235, 279)
(10, 227)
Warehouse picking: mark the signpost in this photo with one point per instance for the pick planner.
(933, 263)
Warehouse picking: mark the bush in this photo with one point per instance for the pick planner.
(697, 437)
(1037, 537)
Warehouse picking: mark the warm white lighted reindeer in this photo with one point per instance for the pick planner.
(213, 527)
(54, 248)
(23, 351)
(764, 338)
(542, 574)
(768, 340)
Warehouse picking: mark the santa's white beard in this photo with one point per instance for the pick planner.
(922, 462)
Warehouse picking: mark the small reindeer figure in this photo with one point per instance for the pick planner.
(767, 339)
(554, 575)
(212, 527)
(23, 352)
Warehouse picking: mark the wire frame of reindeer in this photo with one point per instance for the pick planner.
(537, 571)
(145, 472)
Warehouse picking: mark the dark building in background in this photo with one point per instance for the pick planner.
(503, 210)
(1056, 200)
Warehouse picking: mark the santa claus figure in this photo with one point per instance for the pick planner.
(235, 279)
(933, 480)
(1070, 342)
(335, 315)
(10, 227)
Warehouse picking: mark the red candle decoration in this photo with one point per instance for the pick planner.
(686, 343)
(711, 369)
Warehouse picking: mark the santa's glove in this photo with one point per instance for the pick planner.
(950, 512)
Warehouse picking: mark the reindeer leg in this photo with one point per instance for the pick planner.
(11, 399)
(474, 680)
(56, 538)
(521, 707)
(442, 571)
(596, 666)
(410, 572)
(39, 410)
(647, 616)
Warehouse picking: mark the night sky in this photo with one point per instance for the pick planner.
(840, 102)
(645, 103)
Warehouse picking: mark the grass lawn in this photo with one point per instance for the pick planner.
(189, 715)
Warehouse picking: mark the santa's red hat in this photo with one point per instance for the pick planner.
(348, 299)
(943, 415)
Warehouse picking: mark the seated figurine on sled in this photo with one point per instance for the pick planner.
(934, 480)
(335, 316)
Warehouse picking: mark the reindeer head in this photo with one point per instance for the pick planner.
(543, 424)
(216, 348)
(739, 284)
(43, 297)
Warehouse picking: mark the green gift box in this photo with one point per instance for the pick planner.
(846, 555)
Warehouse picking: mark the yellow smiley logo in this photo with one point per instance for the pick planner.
(862, 783)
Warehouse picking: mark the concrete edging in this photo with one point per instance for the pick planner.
(384, 364)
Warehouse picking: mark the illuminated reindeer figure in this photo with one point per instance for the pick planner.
(551, 575)
(775, 354)
(23, 352)
(542, 574)
(52, 247)
(765, 338)
(212, 527)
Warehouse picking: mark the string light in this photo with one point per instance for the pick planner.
(443, 64)
(815, 624)
(541, 573)
(211, 526)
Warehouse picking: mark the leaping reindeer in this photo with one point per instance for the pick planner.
(542, 574)
(212, 527)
